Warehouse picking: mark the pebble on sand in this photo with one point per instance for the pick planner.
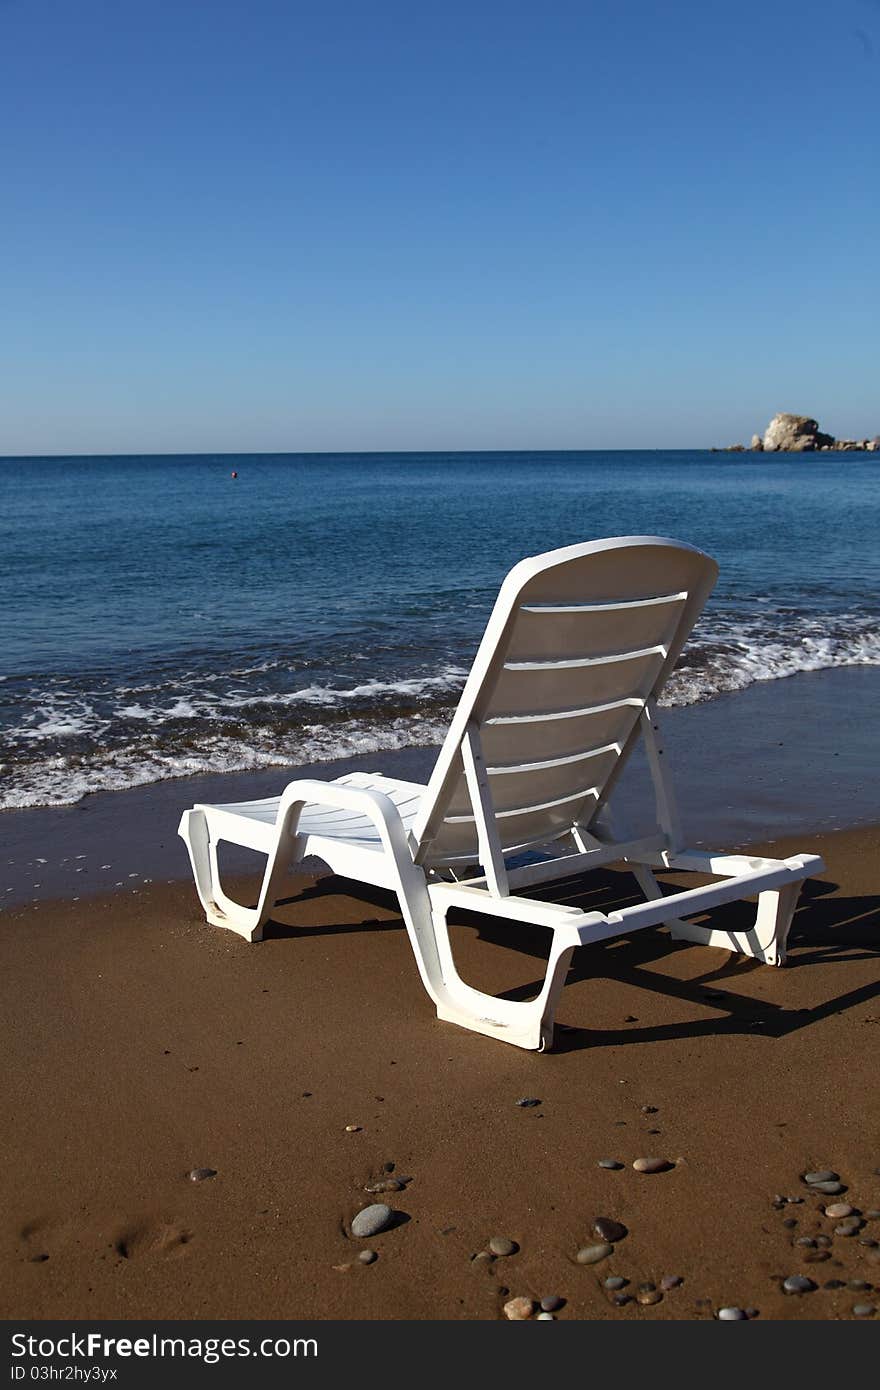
(592, 1254)
(518, 1309)
(200, 1174)
(649, 1297)
(828, 1189)
(371, 1220)
(607, 1229)
(652, 1165)
(616, 1281)
(500, 1245)
(671, 1281)
(731, 1314)
(863, 1310)
(798, 1283)
(613, 1164)
(545, 1317)
(385, 1185)
(528, 1102)
(368, 1257)
(821, 1175)
(551, 1303)
(838, 1209)
(353, 1129)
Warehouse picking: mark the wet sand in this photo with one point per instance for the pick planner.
(140, 1044)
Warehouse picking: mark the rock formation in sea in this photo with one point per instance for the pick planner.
(800, 434)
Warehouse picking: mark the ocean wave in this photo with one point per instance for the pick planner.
(62, 743)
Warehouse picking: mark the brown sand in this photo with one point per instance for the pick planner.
(138, 1043)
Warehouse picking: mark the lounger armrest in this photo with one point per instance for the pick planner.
(379, 807)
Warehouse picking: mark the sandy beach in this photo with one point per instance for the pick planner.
(141, 1044)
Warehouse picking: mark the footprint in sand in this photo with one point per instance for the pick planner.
(151, 1237)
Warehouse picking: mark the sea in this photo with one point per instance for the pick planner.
(172, 615)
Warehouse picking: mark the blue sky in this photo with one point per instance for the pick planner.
(272, 225)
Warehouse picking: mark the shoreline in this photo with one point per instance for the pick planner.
(780, 757)
(141, 1044)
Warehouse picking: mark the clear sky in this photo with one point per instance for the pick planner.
(435, 224)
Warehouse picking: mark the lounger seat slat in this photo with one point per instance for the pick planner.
(657, 601)
(567, 664)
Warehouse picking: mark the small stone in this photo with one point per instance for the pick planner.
(616, 1281)
(816, 1257)
(353, 1129)
(753, 1312)
(592, 1254)
(607, 1229)
(545, 1317)
(201, 1174)
(500, 1245)
(385, 1185)
(649, 1110)
(528, 1103)
(863, 1310)
(823, 1242)
(551, 1303)
(368, 1257)
(805, 1240)
(371, 1220)
(518, 1309)
(872, 1215)
(834, 1284)
(342, 1269)
(844, 1229)
(828, 1189)
(859, 1286)
(798, 1283)
(871, 1244)
(649, 1297)
(823, 1175)
(671, 1281)
(620, 1300)
(837, 1209)
(647, 1287)
(652, 1165)
(790, 1222)
(388, 1167)
(611, 1163)
(731, 1314)
(794, 1201)
(481, 1256)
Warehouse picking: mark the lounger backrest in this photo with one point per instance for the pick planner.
(578, 641)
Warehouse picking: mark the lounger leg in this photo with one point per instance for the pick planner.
(765, 941)
(528, 1025)
(221, 910)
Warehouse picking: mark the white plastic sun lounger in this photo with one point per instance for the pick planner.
(579, 645)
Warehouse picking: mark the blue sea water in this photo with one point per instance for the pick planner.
(161, 617)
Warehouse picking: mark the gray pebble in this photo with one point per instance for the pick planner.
(806, 1240)
(649, 1110)
(834, 1284)
(798, 1283)
(368, 1257)
(528, 1102)
(866, 1240)
(371, 1220)
(790, 1222)
(545, 1317)
(616, 1281)
(859, 1286)
(829, 1189)
(611, 1163)
(620, 1300)
(200, 1174)
(652, 1165)
(671, 1281)
(607, 1229)
(500, 1245)
(731, 1314)
(552, 1303)
(872, 1215)
(863, 1310)
(823, 1241)
(385, 1185)
(592, 1254)
(821, 1175)
(845, 1229)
